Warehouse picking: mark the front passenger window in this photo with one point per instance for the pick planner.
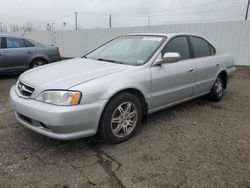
(179, 45)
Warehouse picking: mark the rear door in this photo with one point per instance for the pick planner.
(1, 56)
(173, 82)
(16, 54)
(206, 64)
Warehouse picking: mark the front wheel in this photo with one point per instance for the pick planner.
(120, 118)
(217, 91)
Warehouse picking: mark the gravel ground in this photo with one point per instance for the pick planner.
(195, 144)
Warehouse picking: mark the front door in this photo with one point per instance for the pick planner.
(173, 82)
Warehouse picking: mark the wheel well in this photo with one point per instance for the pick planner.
(37, 58)
(223, 75)
(141, 97)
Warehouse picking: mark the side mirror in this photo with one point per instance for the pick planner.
(169, 57)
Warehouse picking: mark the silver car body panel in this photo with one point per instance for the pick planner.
(162, 86)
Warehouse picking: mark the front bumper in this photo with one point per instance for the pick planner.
(59, 122)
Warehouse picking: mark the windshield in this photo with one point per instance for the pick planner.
(132, 50)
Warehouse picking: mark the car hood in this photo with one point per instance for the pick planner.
(66, 74)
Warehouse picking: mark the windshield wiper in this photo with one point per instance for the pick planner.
(109, 60)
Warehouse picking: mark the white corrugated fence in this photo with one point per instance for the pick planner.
(231, 37)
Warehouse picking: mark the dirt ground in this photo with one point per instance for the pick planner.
(195, 144)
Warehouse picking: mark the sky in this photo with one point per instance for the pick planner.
(95, 13)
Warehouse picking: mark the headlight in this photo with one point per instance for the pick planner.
(67, 98)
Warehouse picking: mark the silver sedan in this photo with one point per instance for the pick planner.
(114, 88)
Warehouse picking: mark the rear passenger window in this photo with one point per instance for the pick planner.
(200, 47)
(179, 45)
(28, 43)
(14, 43)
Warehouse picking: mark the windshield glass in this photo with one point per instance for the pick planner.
(132, 50)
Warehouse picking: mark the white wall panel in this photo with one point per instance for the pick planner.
(230, 37)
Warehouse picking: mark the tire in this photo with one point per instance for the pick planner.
(217, 91)
(37, 63)
(121, 118)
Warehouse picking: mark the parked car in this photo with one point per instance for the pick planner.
(18, 54)
(113, 88)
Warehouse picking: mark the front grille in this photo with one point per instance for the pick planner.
(24, 89)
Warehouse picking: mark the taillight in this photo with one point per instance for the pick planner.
(58, 51)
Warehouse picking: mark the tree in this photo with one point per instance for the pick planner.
(4, 28)
(14, 28)
(28, 27)
(48, 27)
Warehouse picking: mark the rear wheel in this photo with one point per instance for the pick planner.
(37, 63)
(217, 91)
(120, 118)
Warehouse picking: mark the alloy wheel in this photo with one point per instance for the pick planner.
(38, 63)
(219, 86)
(124, 119)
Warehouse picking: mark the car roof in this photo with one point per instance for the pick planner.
(162, 34)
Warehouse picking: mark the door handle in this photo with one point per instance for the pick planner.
(217, 64)
(191, 70)
(29, 52)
